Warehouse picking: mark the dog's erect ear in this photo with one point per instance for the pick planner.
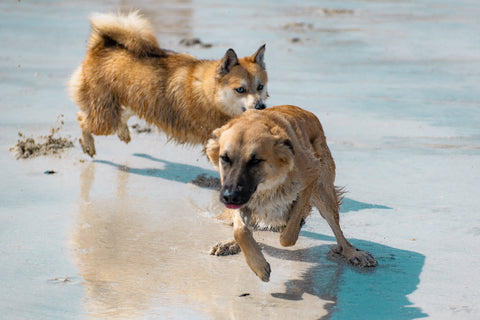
(228, 62)
(258, 56)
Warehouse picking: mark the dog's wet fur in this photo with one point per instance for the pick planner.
(274, 166)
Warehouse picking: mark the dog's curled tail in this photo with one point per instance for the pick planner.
(130, 31)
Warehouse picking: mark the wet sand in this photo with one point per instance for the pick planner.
(127, 235)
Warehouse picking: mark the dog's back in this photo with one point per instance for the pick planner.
(302, 124)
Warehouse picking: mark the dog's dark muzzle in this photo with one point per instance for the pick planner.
(233, 198)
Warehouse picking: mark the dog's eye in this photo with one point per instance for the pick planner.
(255, 161)
(260, 87)
(225, 159)
(240, 90)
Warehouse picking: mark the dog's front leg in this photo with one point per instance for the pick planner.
(300, 209)
(251, 250)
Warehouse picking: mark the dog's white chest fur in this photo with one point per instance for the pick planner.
(271, 208)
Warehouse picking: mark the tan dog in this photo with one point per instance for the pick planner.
(126, 73)
(274, 166)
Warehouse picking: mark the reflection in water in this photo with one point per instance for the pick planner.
(109, 241)
(140, 258)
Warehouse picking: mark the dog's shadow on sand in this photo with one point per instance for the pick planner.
(380, 293)
(206, 178)
(172, 171)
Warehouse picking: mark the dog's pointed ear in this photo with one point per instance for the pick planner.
(228, 62)
(259, 55)
(213, 148)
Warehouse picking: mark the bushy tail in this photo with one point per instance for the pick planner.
(130, 31)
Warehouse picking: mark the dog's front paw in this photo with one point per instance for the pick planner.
(261, 268)
(355, 257)
(225, 248)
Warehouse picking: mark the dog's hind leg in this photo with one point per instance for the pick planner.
(102, 117)
(300, 210)
(123, 132)
(86, 141)
(301, 207)
(326, 200)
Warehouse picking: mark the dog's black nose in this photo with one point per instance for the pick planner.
(230, 196)
(260, 106)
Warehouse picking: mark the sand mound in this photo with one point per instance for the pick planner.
(27, 147)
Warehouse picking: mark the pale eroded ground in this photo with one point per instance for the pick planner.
(125, 236)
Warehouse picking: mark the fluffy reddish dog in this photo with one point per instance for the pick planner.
(126, 73)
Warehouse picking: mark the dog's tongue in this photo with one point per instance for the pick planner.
(233, 206)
